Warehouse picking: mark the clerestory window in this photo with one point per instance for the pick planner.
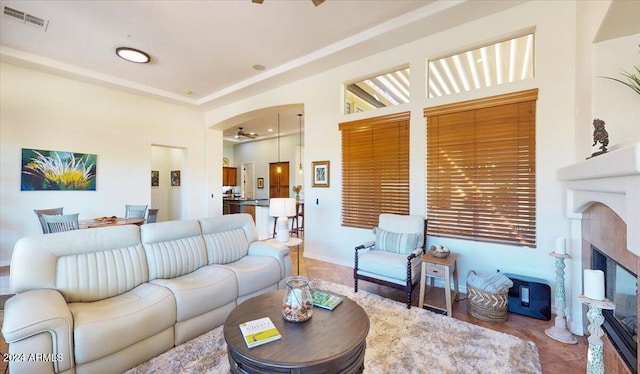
(492, 65)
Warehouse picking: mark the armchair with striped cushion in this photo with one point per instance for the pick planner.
(393, 258)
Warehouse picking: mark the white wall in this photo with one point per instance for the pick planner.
(555, 77)
(613, 102)
(43, 111)
(166, 197)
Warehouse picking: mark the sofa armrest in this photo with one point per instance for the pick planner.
(41, 311)
(278, 251)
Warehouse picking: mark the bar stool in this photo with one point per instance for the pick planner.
(297, 225)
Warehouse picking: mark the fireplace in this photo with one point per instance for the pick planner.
(620, 324)
(602, 197)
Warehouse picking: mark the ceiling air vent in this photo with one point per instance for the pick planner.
(26, 18)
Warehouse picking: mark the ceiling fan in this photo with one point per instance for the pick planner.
(315, 2)
(241, 133)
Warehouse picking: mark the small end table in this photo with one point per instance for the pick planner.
(442, 268)
(293, 242)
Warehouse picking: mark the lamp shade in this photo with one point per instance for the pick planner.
(282, 207)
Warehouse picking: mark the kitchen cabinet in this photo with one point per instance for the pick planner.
(279, 182)
(229, 176)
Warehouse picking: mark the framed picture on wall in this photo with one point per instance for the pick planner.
(155, 178)
(260, 183)
(46, 170)
(320, 173)
(175, 177)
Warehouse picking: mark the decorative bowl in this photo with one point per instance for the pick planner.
(440, 254)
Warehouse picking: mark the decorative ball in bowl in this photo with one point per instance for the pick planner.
(439, 251)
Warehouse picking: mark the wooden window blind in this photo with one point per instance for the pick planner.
(481, 170)
(375, 169)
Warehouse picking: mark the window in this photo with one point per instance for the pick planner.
(492, 65)
(381, 91)
(481, 172)
(375, 169)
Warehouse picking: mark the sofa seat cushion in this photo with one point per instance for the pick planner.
(388, 266)
(255, 273)
(201, 291)
(107, 326)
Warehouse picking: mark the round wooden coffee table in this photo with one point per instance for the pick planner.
(331, 341)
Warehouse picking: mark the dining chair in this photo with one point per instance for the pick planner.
(135, 211)
(51, 212)
(61, 222)
(152, 215)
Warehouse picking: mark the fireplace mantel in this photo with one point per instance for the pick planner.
(612, 179)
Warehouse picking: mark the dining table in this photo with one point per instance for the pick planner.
(109, 221)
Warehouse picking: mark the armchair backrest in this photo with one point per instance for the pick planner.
(403, 224)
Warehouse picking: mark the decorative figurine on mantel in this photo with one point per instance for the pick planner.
(600, 135)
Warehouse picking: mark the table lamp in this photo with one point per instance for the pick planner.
(282, 208)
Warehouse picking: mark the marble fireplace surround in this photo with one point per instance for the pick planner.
(603, 204)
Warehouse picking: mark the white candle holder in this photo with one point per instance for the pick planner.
(595, 355)
(559, 331)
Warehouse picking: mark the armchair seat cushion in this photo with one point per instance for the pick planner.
(388, 266)
(218, 286)
(104, 327)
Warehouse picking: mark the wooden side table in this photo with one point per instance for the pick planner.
(442, 268)
(293, 242)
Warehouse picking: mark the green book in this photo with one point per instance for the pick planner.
(326, 300)
(259, 331)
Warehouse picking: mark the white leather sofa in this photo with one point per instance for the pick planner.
(107, 299)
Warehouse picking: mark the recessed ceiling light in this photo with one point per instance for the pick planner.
(258, 67)
(133, 55)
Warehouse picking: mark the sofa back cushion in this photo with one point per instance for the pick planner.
(173, 248)
(227, 237)
(84, 265)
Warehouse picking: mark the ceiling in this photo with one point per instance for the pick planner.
(203, 53)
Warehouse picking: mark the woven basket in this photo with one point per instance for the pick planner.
(485, 305)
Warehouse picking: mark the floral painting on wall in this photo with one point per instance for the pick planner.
(57, 170)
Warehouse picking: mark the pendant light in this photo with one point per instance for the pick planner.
(300, 132)
(278, 168)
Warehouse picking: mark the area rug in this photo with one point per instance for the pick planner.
(400, 340)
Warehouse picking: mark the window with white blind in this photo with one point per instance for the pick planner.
(481, 171)
(375, 169)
